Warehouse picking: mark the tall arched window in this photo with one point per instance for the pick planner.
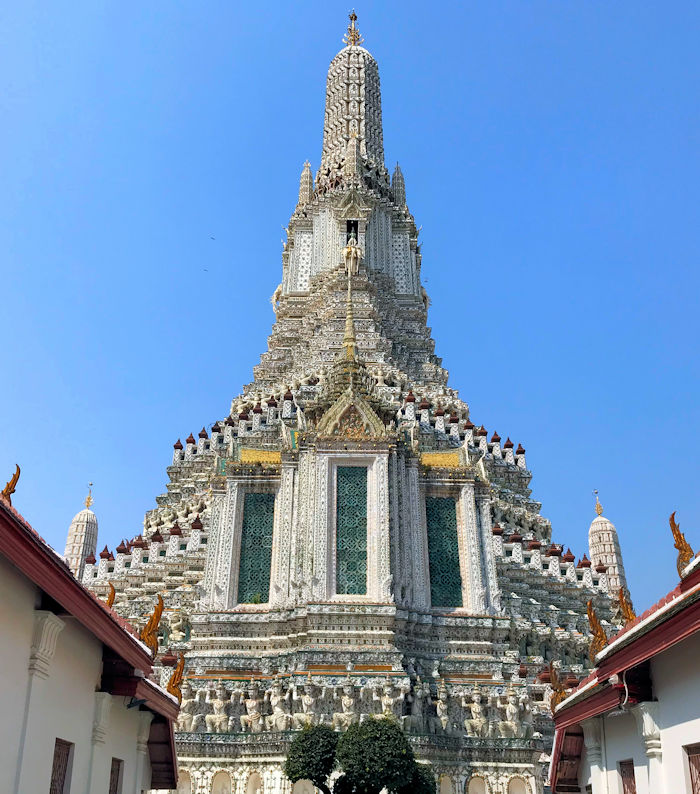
(254, 785)
(184, 782)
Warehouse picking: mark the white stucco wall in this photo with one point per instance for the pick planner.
(676, 677)
(62, 705)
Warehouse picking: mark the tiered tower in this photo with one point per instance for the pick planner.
(346, 541)
(81, 543)
(605, 549)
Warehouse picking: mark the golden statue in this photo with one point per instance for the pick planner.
(110, 595)
(149, 633)
(626, 607)
(9, 489)
(600, 639)
(685, 553)
(176, 679)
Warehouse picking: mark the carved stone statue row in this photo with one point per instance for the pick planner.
(254, 710)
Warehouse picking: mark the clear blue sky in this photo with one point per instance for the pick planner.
(551, 155)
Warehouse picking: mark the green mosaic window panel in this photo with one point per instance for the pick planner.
(351, 531)
(443, 552)
(256, 548)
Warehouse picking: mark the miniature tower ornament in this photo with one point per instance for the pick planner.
(352, 37)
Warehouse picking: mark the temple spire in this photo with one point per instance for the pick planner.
(598, 505)
(88, 499)
(306, 185)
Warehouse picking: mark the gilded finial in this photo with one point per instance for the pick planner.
(352, 37)
(9, 489)
(600, 639)
(626, 607)
(685, 552)
(149, 633)
(349, 338)
(176, 679)
(598, 505)
(110, 595)
(88, 499)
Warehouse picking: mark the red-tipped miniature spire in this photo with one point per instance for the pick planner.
(177, 444)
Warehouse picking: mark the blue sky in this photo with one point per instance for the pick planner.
(551, 155)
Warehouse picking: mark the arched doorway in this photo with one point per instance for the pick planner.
(254, 785)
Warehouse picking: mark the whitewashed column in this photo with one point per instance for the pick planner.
(591, 741)
(216, 533)
(47, 627)
(647, 715)
(321, 564)
(144, 730)
(473, 586)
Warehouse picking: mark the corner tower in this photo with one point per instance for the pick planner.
(604, 548)
(82, 538)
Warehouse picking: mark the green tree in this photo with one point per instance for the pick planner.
(374, 755)
(312, 756)
(423, 781)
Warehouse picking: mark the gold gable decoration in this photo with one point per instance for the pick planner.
(351, 417)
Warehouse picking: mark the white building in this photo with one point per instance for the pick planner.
(79, 713)
(633, 725)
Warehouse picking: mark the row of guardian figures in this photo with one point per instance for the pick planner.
(285, 706)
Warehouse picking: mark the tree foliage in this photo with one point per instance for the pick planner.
(312, 756)
(375, 754)
(422, 782)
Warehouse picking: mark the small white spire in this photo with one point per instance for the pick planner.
(306, 185)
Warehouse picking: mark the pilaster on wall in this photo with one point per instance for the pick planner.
(493, 593)
(647, 716)
(592, 742)
(419, 584)
(283, 548)
(473, 585)
(221, 572)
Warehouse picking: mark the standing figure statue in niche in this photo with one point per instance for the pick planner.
(188, 708)
(342, 720)
(305, 717)
(252, 720)
(417, 700)
(440, 723)
(280, 719)
(476, 723)
(177, 626)
(217, 721)
(387, 700)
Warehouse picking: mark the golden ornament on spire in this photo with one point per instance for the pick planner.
(352, 37)
(598, 505)
(149, 633)
(88, 499)
(9, 489)
(685, 552)
(626, 607)
(600, 639)
(176, 679)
